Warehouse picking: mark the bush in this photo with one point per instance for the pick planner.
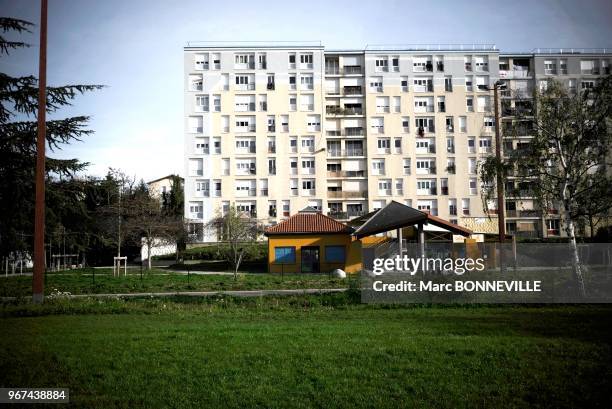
(257, 253)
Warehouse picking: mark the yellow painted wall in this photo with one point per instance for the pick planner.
(353, 251)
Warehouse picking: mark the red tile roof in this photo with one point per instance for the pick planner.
(309, 222)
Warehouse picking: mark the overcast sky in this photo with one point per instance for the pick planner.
(135, 48)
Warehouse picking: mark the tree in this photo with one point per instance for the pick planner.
(239, 231)
(567, 162)
(18, 104)
(147, 222)
(173, 204)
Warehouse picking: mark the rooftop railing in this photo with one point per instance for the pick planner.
(431, 47)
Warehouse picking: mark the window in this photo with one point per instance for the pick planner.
(202, 103)
(395, 63)
(469, 103)
(272, 166)
(377, 125)
(306, 82)
(482, 63)
(291, 60)
(308, 166)
(306, 61)
(550, 67)
(335, 254)
(384, 187)
(489, 122)
(587, 84)
(404, 83)
(378, 167)
(284, 255)
(563, 67)
(407, 166)
(308, 143)
(384, 145)
(472, 186)
(292, 81)
(382, 105)
(469, 83)
(397, 145)
(465, 206)
(313, 122)
(448, 84)
(376, 84)
(382, 64)
(587, 67)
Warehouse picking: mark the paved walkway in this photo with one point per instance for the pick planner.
(237, 293)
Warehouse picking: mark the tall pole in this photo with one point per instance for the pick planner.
(39, 210)
(501, 209)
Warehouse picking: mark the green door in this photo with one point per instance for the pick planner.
(310, 259)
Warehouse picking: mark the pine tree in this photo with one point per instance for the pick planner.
(18, 130)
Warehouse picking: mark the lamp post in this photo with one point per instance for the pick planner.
(39, 209)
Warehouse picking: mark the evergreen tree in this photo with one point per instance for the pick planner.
(18, 132)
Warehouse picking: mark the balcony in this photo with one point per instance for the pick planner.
(421, 130)
(423, 88)
(339, 215)
(352, 90)
(340, 194)
(353, 131)
(352, 69)
(345, 152)
(515, 73)
(245, 87)
(346, 174)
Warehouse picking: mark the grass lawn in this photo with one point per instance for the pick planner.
(83, 282)
(308, 351)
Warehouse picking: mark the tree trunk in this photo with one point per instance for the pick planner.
(149, 255)
(574, 254)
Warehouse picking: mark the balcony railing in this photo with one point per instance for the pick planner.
(352, 69)
(345, 152)
(352, 90)
(353, 131)
(346, 173)
(338, 215)
(340, 194)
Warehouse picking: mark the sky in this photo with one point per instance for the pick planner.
(135, 49)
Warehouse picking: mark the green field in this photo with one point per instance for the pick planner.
(84, 282)
(308, 351)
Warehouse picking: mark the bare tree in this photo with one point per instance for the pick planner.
(147, 222)
(567, 161)
(239, 230)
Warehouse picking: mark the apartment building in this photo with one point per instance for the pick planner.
(523, 73)
(276, 128)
